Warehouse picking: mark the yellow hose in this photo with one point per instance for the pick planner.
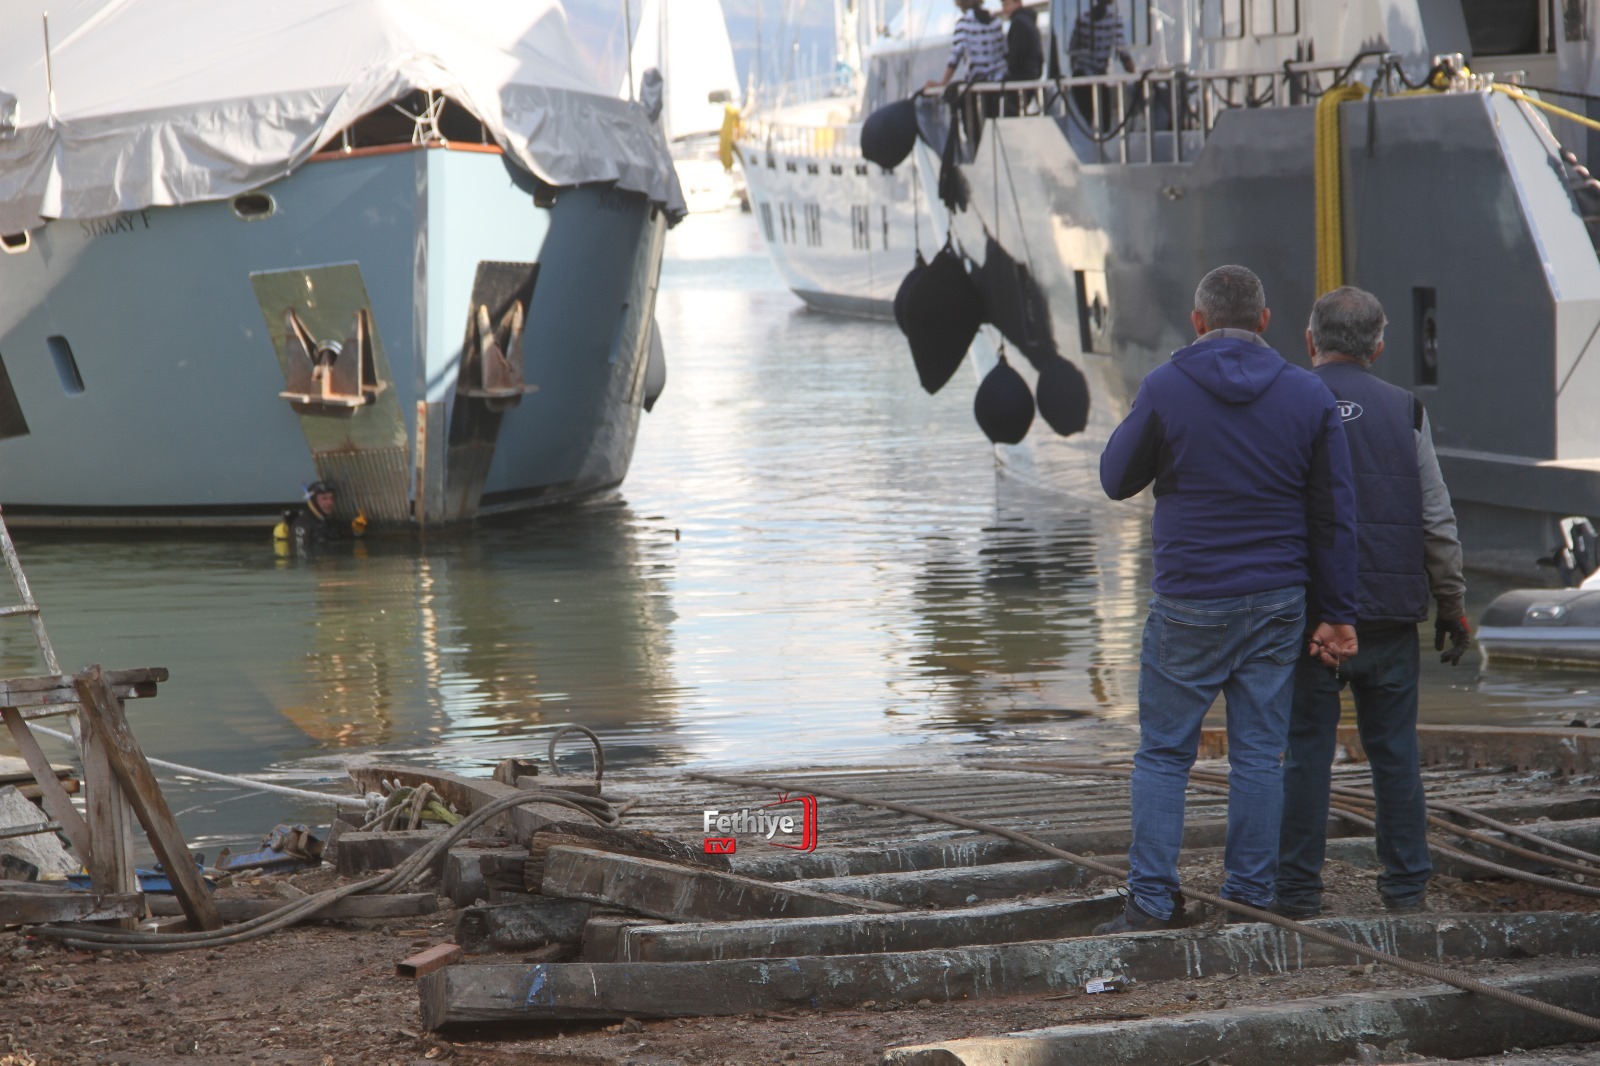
(1330, 202)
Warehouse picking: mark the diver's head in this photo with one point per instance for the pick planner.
(320, 498)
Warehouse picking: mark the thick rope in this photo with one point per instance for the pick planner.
(1420, 969)
(1329, 187)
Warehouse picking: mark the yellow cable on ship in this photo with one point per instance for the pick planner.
(731, 121)
(1330, 203)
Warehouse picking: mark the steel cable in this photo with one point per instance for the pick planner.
(1420, 969)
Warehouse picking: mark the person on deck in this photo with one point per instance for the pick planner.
(979, 43)
(1409, 552)
(1253, 502)
(316, 525)
(1024, 50)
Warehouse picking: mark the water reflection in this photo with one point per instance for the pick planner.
(811, 559)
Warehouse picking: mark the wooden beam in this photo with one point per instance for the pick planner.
(102, 713)
(111, 821)
(26, 905)
(520, 926)
(958, 887)
(471, 995)
(683, 893)
(1559, 751)
(853, 934)
(424, 962)
(406, 905)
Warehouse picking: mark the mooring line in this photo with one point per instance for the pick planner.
(1420, 969)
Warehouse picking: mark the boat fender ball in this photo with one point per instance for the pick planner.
(1063, 396)
(889, 134)
(1003, 404)
(655, 369)
(943, 311)
(905, 288)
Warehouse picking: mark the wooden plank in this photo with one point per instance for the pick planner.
(55, 704)
(102, 713)
(855, 934)
(424, 962)
(959, 887)
(1560, 751)
(64, 683)
(356, 853)
(683, 893)
(404, 905)
(463, 995)
(22, 907)
(51, 792)
(470, 793)
(111, 862)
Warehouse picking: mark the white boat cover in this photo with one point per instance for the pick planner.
(166, 102)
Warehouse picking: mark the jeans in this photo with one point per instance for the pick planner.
(1244, 647)
(1383, 680)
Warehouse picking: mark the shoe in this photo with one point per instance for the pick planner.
(1235, 918)
(1133, 919)
(1411, 905)
(1297, 911)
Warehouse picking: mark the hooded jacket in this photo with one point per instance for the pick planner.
(1251, 471)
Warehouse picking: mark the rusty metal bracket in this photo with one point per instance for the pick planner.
(491, 368)
(329, 374)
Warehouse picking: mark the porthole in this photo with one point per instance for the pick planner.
(16, 243)
(254, 206)
(66, 365)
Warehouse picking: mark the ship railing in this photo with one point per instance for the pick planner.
(1161, 115)
(822, 142)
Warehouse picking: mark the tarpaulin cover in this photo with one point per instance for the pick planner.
(166, 102)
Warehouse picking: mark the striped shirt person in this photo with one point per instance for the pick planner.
(979, 41)
(1095, 37)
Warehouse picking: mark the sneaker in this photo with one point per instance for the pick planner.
(1411, 905)
(1133, 919)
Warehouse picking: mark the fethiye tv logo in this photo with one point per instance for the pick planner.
(790, 822)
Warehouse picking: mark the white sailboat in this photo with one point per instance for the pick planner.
(687, 41)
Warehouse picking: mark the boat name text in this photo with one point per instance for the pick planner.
(126, 222)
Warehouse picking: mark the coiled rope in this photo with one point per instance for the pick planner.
(1420, 969)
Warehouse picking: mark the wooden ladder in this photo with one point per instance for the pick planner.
(119, 785)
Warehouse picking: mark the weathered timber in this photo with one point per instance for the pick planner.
(69, 785)
(24, 691)
(622, 841)
(683, 893)
(467, 794)
(102, 713)
(602, 937)
(56, 704)
(361, 853)
(424, 962)
(957, 888)
(1109, 841)
(1434, 1020)
(1580, 833)
(994, 923)
(405, 905)
(470, 874)
(562, 991)
(539, 921)
(111, 820)
(35, 904)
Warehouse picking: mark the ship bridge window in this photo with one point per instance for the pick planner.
(66, 365)
(1274, 18)
(1508, 27)
(1221, 18)
(12, 424)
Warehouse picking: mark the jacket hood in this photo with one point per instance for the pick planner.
(1230, 368)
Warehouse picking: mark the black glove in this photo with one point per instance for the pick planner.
(1460, 635)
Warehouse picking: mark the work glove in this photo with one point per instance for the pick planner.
(1460, 635)
(358, 524)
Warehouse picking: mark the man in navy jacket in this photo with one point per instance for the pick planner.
(1253, 503)
(1408, 554)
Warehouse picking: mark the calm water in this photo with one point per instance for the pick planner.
(810, 560)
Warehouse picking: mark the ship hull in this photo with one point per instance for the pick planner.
(147, 362)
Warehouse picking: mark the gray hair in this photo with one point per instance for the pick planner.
(1231, 297)
(1348, 321)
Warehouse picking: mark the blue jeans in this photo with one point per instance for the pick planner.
(1383, 680)
(1244, 647)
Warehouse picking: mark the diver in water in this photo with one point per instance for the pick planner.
(316, 525)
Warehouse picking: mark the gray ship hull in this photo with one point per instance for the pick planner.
(1456, 212)
(147, 357)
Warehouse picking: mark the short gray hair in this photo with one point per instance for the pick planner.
(1231, 297)
(1348, 321)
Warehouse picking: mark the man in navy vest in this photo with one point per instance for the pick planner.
(1408, 550)
(1253, 501)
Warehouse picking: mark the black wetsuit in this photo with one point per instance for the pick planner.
(309, 531)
